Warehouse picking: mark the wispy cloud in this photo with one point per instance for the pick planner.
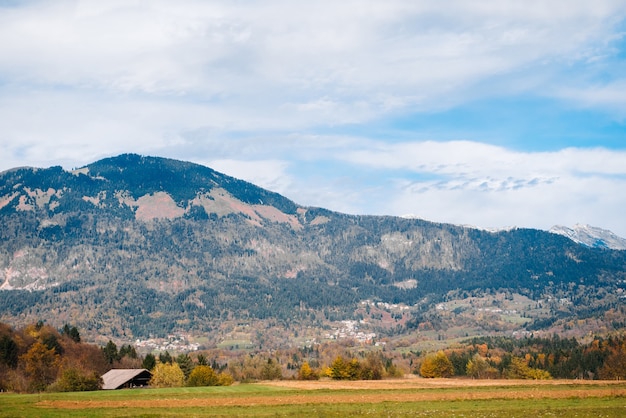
(496, 187)
(323, 62)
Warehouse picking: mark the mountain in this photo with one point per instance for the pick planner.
(591, 236)
(133, 246)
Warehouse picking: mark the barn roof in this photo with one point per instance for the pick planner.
(116, 378)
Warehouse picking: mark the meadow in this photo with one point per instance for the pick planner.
(387, 398)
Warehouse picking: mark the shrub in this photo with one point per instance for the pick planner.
(73, 380)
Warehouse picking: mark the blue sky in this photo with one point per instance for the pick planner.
(488, 113)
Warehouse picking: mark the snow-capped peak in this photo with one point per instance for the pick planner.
(591, 236)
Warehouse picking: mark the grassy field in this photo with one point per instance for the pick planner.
(390, 398)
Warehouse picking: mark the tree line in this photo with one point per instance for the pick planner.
(39, 358)
(529, 358)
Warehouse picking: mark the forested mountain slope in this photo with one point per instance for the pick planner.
(132, 246)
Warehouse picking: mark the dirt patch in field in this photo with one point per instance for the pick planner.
(420, 383)
(381, 391)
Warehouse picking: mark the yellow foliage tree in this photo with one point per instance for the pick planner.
(339, 369)
(202, 376)
(224, 379)
(438, 365)
(519, 369)
(306, 373)
(166, 375)
(41, 366)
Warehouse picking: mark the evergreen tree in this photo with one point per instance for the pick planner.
(149, 362)
(8, 351)
(127, 351)
(165, 357)
(202, 360)
(71, 332)
(74, 334)
(186, 364)
(110, 352)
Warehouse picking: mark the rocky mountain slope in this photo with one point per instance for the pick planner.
(135, 246)
(591, 236)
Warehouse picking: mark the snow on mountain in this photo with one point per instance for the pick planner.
(591, 236)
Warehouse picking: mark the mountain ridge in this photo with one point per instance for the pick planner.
(100, 245)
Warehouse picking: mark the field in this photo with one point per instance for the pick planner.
(389, 398)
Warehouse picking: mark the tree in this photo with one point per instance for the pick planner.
(202, 375)
(339, 369)
(50, 340)
(271, 370)
(477, 367)
(186, 364)
(71, 332)
(127, 351)
(166, 375)
(165, 357)
(110, 352)
(306, 373)
(149, 361)
(354, 369)
(41, 365)
(224, 379)
(437, 365)
(74, 334)
(373, 369)
(8, 351)
(202, 360)
(614, 366)
(519, 369)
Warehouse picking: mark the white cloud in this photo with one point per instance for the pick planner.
(565, 201)
(610, 96)
(278, 53)
(491, 186)
(466, 159)
(246, 86)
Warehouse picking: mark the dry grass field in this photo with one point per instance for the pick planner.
(401, 397)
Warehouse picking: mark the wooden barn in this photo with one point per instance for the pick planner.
(125, 378)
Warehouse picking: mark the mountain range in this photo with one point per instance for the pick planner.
(132, 246)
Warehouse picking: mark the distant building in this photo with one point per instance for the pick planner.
(125, 378)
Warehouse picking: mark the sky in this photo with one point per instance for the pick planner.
(491, 113)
